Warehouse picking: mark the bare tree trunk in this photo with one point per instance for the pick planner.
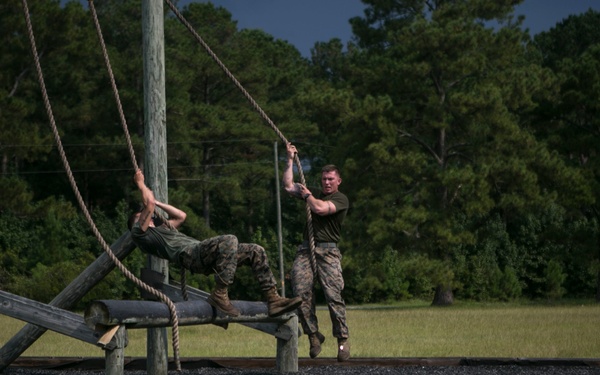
(598, 287)
(206, 193)
(443, 296)
(598, 278)
(4, 163)
(250, 222)
(598, 272)
(206, 208)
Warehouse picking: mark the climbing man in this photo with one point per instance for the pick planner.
(329, 209)
(218, 255)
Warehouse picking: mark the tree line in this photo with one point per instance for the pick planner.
(468, 147)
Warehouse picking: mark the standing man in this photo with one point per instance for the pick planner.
(328, 209)
(217, 255)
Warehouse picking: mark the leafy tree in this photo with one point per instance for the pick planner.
(77, 85)
(486, 268)
(23, 137)
(468, 155)
(439, 118)
(569, 121)
(221, 144)
(554, 280)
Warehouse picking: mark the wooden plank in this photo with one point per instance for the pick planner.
(78, 288)
(48, 317)
(108, 336)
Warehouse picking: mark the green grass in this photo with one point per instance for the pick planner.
(407, 330)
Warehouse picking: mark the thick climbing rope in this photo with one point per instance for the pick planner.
(72, 181)
(184, 291)
(262, 113)
(161, 296)
(117, 97)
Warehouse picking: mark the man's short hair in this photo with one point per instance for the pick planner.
(132, 218)
(155, 219)
(331, 168)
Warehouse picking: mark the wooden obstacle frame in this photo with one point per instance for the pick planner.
(155, 142)
(105, 323)
(114, 318)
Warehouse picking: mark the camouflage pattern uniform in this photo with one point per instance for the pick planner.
(329, 269)
(222, 255)
(219, 255)
(328, 258)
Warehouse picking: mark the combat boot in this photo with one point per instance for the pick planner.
(219, 299)
(343, 350)
(315, 340)
(278, 305)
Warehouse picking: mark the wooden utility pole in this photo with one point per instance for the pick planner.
(155, 138)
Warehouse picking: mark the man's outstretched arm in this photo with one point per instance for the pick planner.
(288, 173)
(318, 206)
(147, 199)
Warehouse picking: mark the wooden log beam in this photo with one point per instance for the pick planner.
(152, 314)
(49, 317)
(78, 288)
(173, 291)
(287, 350)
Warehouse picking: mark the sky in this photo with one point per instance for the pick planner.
(302, 23)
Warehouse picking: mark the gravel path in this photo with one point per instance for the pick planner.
(339, 370)
(348, 370)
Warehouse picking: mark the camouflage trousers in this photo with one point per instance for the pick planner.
(329, 269)
(222, 255)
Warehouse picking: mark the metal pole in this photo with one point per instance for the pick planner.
(155, 135)
(279, 236)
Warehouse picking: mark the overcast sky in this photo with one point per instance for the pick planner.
(304, 22)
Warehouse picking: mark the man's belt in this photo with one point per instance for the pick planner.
(321, 244)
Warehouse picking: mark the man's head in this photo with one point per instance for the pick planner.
(331, 179)
(133, 218)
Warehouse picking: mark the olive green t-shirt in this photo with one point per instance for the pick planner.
(161, 241)
(328, 228)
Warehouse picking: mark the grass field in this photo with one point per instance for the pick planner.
(411, 329)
